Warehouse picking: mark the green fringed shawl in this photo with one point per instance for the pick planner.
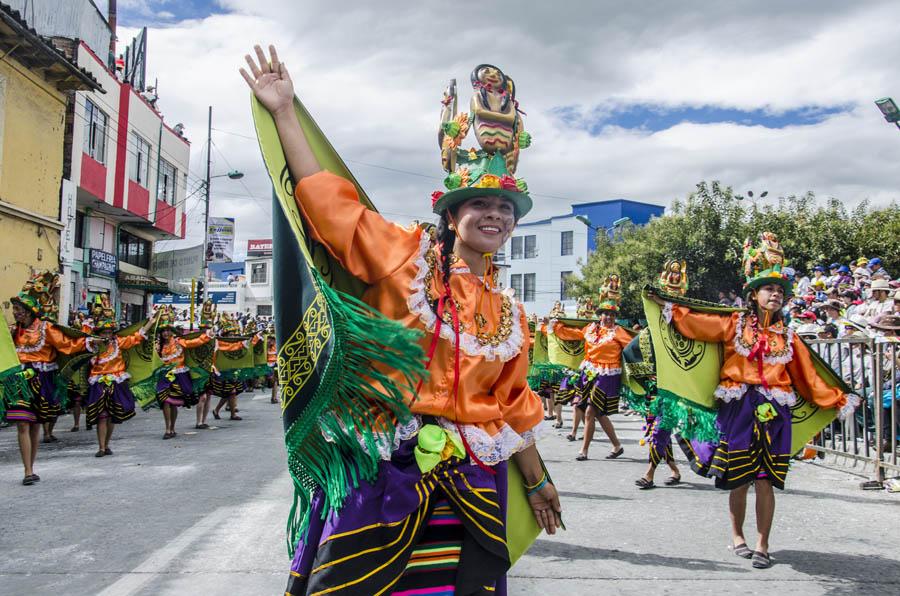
(688, 373)
(13, 386)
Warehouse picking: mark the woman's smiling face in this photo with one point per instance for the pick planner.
(484, 223)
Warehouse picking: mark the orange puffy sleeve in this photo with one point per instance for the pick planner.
(229, 346)
(520, 407)
(63, 343)
(566, 333)
(810, 385)
(623, 338)
(367, 245)
(702, 326)
(129, 341)
(203, 338)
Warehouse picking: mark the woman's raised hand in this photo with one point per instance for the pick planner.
(269, 80)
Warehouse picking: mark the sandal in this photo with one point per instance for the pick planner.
(74, 429)
(761, 560)
(202, 426)
(673, 480)
(235, 418)
(107, 451)
(570, 437)
(644, 484)
(581, 457)
(27, 481)
(616, 453)
(558, 425)
(742, 550)
(216, 415)
(168, 436)
(100, 453)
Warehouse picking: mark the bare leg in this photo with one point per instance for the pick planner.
(27, 446)
(557, 411)
(675, 471)
(737, 508)
(207, 404)
(202, 408)
(76, 415)
(765, 512)
(607, 426)
(222, 402)
(232, 403)
(579, 416)
(35, 432)
(174, 414)
(48, 428)
(589, 419)
(110, 427)
(274, 391)
(102, 435)
(167, 415)
(651, 472)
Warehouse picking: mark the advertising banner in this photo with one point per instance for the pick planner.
(103, 263)
(220, 244)
(185, 299)
(182, 264)
(259, 248)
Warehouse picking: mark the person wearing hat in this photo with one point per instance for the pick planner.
(842, 279)
(207, 322)
(223, 385)
(38, 341)
(110, 400)
(880, 301)
(765, 366)
(832, 273)
(175, 388)
(272, 360)
(601, 370)
(833, 310)
(876, 267)
(888, 326)
(474, 410)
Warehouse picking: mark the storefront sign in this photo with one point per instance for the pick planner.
(103, 263)
(185, 299)
(259, 248)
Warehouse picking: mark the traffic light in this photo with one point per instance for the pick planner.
(200, 291)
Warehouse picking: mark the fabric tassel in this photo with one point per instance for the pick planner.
(689, 419)
(13, 388)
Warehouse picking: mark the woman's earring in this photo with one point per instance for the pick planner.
(451, 228)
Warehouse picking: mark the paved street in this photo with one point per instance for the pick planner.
(205, 512)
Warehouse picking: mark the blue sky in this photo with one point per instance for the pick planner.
(140, 13)
(654, 118)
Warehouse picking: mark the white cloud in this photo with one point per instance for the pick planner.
(373, 75)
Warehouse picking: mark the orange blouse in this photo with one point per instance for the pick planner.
(602, 345)
(38, 344)
(787, 367)
(172, 354)
(272, 354)
(111, 363)
(496, 410)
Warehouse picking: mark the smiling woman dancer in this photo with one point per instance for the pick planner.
(433, 522)
(764, 364)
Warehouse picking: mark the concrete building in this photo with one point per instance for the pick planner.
(126, 168)
(542, 254)
(36, 81)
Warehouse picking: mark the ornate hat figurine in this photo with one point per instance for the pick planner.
(38, 295)
(250, 328)
(106, 318)
(763, 264)
(610, 294)
(557, 311)
(207, 314)
(494, 116)
(166, 318)
(674, 278)
(228, 326)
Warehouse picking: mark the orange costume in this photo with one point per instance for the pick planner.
(38, 344)
(109, 365)
(496, 410)
(602, 346)
(172, 353)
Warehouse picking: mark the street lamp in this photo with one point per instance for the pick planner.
(586, 221)
(889, 110)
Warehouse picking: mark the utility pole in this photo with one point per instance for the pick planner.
(206, 207)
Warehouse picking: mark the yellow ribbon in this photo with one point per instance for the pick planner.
(436, 445)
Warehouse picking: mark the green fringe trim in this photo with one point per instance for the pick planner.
(690, 420)
(351, 396)
(145, 391)
(634, 401)
(13, 388)
(241, 374)
(543, 373)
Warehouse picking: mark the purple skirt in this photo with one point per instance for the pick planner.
(367, 545)
(602, 392)
(223, 387)
(750, 449)
(114, 402)
(176, 393)
(44, 405)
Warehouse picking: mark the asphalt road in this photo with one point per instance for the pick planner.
(204, 513)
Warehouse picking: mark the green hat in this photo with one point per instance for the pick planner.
(762, 264)
(494, 117)
(38, 295)
(227, 325)
(207, 314)
(166, 318)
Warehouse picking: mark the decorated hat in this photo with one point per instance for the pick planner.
(207, 314)
(610, 294)
(496, 121)
(227, 325)
(166, 318)
(762, 264)
(250, 327)
(39, 294)
(673, 278)
(105, 317)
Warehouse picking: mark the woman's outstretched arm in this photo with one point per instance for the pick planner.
(273, 87)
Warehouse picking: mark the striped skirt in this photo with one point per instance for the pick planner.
(432, 565)
(44, 405)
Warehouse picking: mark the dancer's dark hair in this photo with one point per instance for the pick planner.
(446, 240)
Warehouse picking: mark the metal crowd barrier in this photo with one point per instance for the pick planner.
(871, 367)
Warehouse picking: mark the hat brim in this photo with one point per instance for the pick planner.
(759, 282)
(29, 307)
(450, 199)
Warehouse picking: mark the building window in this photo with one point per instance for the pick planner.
(530, 247)
(140, 163)
(564, 285)
(516, 248)
(259, 273)
(263, 310)
(96, 123)
(165, 184)
(515, 282)
(134, 250)
(530, 283)
(79, 229)
(566, 243)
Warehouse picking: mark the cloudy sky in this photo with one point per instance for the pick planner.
(635, 100)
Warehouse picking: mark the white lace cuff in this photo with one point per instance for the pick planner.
(849, 408)
(667, 312)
